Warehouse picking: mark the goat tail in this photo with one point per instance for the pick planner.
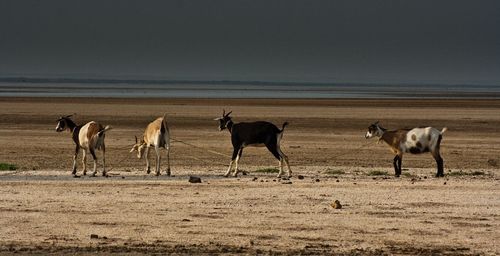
(98, 140)
(107, 128)
(444, 130)
(283, 126)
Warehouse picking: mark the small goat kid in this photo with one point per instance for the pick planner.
(255, 134)
(156, 134)
(87, 137)
(414, 141)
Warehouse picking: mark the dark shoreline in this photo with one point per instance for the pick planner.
(354, 102)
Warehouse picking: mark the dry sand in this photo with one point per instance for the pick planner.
(44, 210)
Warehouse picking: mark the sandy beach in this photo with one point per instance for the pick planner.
(45, 210)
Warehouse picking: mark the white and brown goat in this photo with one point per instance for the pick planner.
(254, 134)
(157, 135)
(414, 141)
(89, 136)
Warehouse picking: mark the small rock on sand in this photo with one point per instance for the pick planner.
(336, 204)
(300, 177)
(194, 179)
(94, 236)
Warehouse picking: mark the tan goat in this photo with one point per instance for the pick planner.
(157, 135)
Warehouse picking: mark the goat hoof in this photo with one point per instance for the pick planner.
(75, 176)
(157, 174)
(148, 171)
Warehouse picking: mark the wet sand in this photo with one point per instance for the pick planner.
(45, 210)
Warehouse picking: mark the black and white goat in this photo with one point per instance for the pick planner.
(157, 135)
(87, 137)
(414, 141)
(254, 134)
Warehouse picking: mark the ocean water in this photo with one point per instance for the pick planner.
(239, 90)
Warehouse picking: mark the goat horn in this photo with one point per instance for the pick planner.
(229, 113)
(135, 139)
(376, 122)
(223, 112)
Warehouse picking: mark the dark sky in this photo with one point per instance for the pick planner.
(417, 41)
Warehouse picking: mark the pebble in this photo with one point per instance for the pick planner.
(300, 177)
(94, 236)
(336, 204)
(194, 179)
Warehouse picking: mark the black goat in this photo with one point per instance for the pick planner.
(255, 134)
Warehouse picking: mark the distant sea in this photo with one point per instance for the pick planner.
(41, 87)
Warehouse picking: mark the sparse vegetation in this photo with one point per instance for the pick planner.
(268, 170)
(377, 173)
(462, 173)
(334, 172)
(7, 167)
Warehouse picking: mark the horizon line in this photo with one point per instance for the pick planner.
(59, 80)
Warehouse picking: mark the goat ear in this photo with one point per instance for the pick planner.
(217, 119)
